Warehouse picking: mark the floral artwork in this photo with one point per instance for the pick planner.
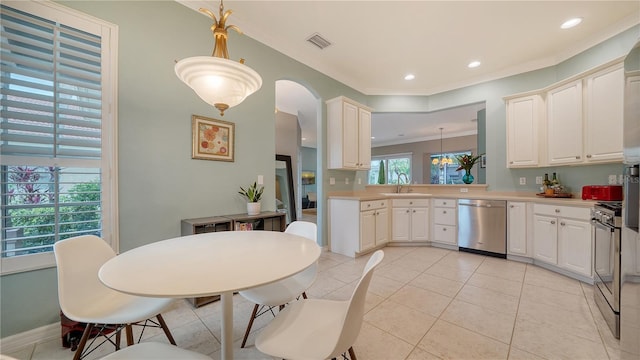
(212, 139)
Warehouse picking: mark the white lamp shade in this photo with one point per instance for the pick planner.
(218, 80)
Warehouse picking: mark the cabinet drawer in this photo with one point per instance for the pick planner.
(372, 205)
(451, 203)
(445, 234)
(581, 213)
(410, 202)
(444, 216)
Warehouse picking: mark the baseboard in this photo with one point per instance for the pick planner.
(16, 342)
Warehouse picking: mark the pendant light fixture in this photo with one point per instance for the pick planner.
(442, 161)
(220, 82)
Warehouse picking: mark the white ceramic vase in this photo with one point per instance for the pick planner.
(253, 208)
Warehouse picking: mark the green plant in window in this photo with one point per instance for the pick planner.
(381, 172)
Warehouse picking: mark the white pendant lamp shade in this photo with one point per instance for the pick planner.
(220, 82)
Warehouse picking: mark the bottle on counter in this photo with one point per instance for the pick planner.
(546, 185)
(554, 180)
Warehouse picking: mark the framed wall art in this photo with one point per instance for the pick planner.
(483, 161)
(213, 139)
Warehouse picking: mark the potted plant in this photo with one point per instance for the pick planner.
(253, 193)
(466, 162)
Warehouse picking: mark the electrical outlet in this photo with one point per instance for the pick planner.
(620, 179)
(359, 181)
(613, 179)
(260, 180)
(346, 181)
(464, 190)
(332, 181)
(523, 181)
(538, 180)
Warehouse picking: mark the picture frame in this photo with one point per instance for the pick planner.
(212, 139)
(483, 161)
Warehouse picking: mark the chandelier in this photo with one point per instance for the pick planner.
(442, 161)
(220, 82)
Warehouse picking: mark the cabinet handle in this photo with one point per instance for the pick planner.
(588, 156)
(368, 205)
(557, 211)
(410, 202)
(562, 223)
(444, 203)
(444, 211)
(414, 211)
(578, 157)
(510, 162)
(511, 206)
(407, 211)
(553, 222)
(444, 229)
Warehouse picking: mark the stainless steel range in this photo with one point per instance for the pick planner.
(607, 221)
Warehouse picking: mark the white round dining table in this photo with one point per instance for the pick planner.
(217, 263)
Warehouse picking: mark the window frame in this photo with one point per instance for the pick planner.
(386, 158)
(109, 128)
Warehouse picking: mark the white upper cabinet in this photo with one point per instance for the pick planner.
(348, 135)
(604, 114)
(564, 124)
(523, 122)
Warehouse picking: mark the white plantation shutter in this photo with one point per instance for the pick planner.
(57, 130)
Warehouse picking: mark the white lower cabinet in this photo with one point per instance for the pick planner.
(357, 226)
(517, 234)
(562, 237)
(444, 222)
(410, 220)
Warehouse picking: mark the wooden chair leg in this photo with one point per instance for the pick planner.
(83, 342)
(129, 331)
(352, 354)
(166, 329)
(253, 317)
(118, 336)
(304, 295)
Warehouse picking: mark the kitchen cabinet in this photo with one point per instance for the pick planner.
(564, 124)
(517, 243)
(524, 117)
(604, 115)
(348, 135)
(409, 220)
(445, 222)
(562, 237)
(357, 227)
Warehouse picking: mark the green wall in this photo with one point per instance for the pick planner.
(159, 183)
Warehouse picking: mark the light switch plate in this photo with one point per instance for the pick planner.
(346, 181)
(613, 179)
(359, 181)
(332, 181)
(620, 179)
(260, 180)
(464, 190)
(523, 181)
(538, 180)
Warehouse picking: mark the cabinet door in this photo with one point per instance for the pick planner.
(603, 126)
(564, 124)
(364, 139)
(545, 239)
(517, 228)
(401, 220)
(523, 122)
(574, 239)
(382, 226)
(420, 224)
(350, 131)
(367, 229)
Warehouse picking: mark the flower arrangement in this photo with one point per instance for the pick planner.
(466, 162)
(253, 193)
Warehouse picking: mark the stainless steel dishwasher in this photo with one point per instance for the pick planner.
(482, 227)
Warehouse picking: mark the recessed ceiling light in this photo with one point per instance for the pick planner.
(474, 64)
(409, 77)
(303, 139)
(571, 23)
(373, 137)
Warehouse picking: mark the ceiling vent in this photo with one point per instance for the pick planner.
(317, 40)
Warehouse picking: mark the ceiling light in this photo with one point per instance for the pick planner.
(409, 77)
(473, 64)
(218, 81)
(571, 23)
(442, 161)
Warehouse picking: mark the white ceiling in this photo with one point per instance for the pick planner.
(375, 43)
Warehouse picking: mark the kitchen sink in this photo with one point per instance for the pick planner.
(413, 195)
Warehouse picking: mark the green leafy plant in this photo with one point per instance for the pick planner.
(381, 173)
(466, 162)
(253, 193)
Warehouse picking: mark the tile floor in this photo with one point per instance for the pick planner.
(424, 303)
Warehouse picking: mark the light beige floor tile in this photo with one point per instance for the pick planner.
(375, 344)
(500, 285)
(491, 323)
(419, 354)
(406, 323)
(489, 299)
(423, 300)
(415, 263)
(578, 323)
(346, 272)
(194, 336)
(510, 270)
(383, 286)
(397, 272)
(517, 354)
(449, 272)
(547, 342)
(449, 341)
(561, 299)
(22, 354)
(438, 284)
(324, 285)
(536, 275)
(462, 261)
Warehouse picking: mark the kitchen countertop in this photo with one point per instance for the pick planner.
(527, 197)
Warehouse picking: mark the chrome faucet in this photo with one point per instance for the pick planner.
(406, 181)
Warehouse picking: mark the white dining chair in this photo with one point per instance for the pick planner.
(279, 293)
(319, 329)
(155, 351)
(85, 299)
